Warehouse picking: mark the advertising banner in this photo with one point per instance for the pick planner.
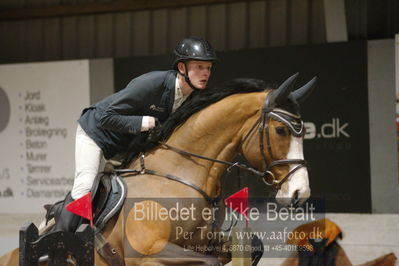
(39, 106)
(336, 115)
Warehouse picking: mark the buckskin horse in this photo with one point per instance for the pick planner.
(264, 126)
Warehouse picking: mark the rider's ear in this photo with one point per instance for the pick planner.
(181, 67)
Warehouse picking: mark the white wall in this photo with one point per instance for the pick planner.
(383, 152)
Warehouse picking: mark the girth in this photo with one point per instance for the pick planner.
(213, 201)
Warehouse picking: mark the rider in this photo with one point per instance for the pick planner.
(106, 128)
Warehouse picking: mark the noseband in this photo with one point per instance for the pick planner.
(263, 127)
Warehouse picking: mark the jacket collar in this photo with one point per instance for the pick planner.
(168, 96)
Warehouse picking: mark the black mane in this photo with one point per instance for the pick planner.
(197, 101)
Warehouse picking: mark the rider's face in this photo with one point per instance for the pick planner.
(199, 73)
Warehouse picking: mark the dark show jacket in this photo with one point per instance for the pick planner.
(113, 122)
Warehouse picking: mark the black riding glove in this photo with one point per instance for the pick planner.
(155, 133)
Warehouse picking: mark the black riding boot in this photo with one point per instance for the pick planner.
(66, 220)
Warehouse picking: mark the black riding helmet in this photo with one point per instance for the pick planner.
(193, 48)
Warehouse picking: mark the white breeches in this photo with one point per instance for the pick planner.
(89, 160)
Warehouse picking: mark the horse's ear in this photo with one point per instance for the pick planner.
(279, 96)
(302, 93)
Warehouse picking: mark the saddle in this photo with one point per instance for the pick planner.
(108, 194)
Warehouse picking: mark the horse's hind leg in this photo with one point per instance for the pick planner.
(173, 254)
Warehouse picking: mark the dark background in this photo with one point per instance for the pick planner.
(339, 166)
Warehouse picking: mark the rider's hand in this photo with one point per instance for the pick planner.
(155, 132)
(151, 122)
(148, 123)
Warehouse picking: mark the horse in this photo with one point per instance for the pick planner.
(264, 126)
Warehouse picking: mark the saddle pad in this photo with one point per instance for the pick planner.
(113, 202)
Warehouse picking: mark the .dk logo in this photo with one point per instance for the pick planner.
(335, 129)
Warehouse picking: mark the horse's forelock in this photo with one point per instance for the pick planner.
(291, 105)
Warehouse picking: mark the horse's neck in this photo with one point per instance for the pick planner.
(214, 132)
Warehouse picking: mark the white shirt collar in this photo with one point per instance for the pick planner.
(179, 97)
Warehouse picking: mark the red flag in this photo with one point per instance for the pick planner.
(82, 207)
(239, 202)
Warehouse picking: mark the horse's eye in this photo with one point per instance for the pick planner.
(282, 131)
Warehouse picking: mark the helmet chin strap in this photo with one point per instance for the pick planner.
(187, 79)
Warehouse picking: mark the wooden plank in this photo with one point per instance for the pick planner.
(69, 35)
(267, 23)
(68, 2)
(335, 20)
(3, 41)
(6, 4)
(50, 3)
(141, 33)
(99, 7)
(51, 34)
(197, 19)
(104, 35)
(122, 29)
(12, 41)
(257, 25)
(160, 32)
(361, 12)
(237, 26)
(69, 38)
(278, 22)
(357, 19)
(317, 26)
(34, 35)
(34, 40)
(86, 36)
(17, 49)
(52, 39)
(86, 26)
(34, 3)
(298, 29)
(216, 28)
(177, 26)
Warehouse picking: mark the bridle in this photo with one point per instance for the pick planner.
(293, 123)
(296, 127)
